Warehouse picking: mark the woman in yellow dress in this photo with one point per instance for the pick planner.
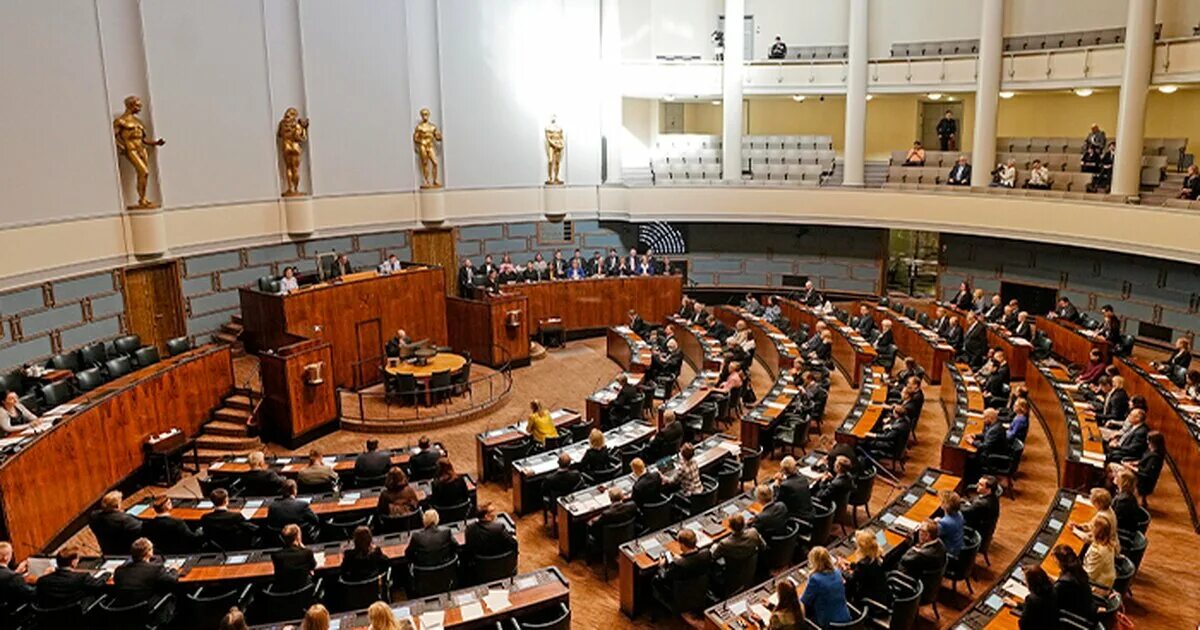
(540, 425)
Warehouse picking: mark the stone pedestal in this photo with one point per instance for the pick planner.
(554, 202)
(431, 207)
(148, 227)
(298, 216)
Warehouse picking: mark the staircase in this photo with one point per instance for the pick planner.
(229, 431)
(231, 333)
(636, 176)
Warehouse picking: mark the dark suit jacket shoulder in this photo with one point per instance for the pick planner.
(431, 546)
(293, 568)
(140, 580)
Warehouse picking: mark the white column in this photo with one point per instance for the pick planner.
(735, 44)
(987, 91)
(1135, 81)
(610, 108)
(855, 150)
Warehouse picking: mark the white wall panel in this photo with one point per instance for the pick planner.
(578, 99)
(357, 83)
(286, 74)
(57, 160)
(207, 63)
(424, 68)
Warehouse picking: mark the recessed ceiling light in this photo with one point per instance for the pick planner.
(870, 96)
(799, 98)
(1007, 94)
(1083, 91)
(669, 97)
(1168, 89)
(716, 102)
(935, 96)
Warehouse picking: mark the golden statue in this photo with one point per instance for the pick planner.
(132, 143)
(424, 137)
(555, 143)
(293, 133)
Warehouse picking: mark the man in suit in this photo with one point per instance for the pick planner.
(637, 324)
(667, 440)
(1096, 138)
(115, 530)
(13, 588)
(535, 272)
(562, 481)
(466, 278)
(947, 131)
(229, 530)
(293, 564)
(974, 344)
(995, 310)
(941, 322)
(488, 266)
(288, 510)
(885, 338)
(994, 394)
(401, 339)
(558, 266)
(340, 267)
(612, 263)
(618, 511)
(1022, 328)
(596, 265)
(1129, 443)
(425, 460)
(631, 261)
(260, 481)
(864, 323)
(372, 464)
(814, 340)
(912, 398)
(960, 173)
(144, 580)
(927, 555)
(648, 485)
(1009, 319)
(1066, 310)
(391, 265)
(811, 296)
(741, 543)
(773, 518)
(169, 534)
(891, 436)
(668, 362)
(993, 440)
(432, 545)
(487, 536)
(793, 490)
(67, 584)
(692, 562)
(910, 371)
(982, 512)
(954, 335)
(836, 485)
(820, 356)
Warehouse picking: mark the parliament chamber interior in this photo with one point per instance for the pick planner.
(539, 314)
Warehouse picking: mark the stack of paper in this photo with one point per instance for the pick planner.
(497, 600)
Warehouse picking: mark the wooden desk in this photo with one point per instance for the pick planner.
(487, 442)
(1017, 350)
(493, 330)
(99, 443)
(442, 361)
(851, 353)
(700, 350)
(864, 415)
(1071, 341)
(1077, 443)
(1177, 417)
(600, 402)
(915, 341)
(772, 347)
(962, 401)
(597, 303)
(356, 316)
(628, 349)
(342, 463)
(689, 397)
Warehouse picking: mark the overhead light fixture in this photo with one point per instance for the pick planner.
(949, 99)
(716, 102)
(1007, 95)
(799, 98)
(1083, 92)
(1168, 89)
(870, 96)
(935, 96)
(669, 97)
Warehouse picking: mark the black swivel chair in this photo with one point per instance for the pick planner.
(178, 346)
(114, 614)
(55, 394)
(931, 585)
(494, 567)
(358, 594)
(439, 387)
(959, 567)
(204, 608)
(146, 355)
(271, 606)
(127, 345)
(65, 361)
(394, 524)
(434, 579)
(93, 355)
(89, 379)
(681, 596)
(70, 616)
(118, 367)
(655, 516)
(553, 618)
(781, 548)
(861, 495)
(611, 537)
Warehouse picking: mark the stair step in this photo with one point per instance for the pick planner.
(231, 328)
(236, 318)
(231, 414)
(227, 442)
(238, 401)
(225, 427)
(210, 455)
(224, 337)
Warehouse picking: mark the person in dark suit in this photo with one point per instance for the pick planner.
(821, 355)
(741, 543)
(621, 410)
(773, 518)
(1113, 404)
(974, 344)
(1066, 311)
(340, 266)
(995, 310)
(811, 296)
(1073, 589)
(691, 562)
(637, 324)
(535, 272)
(260, 481)
(423, 464)
(954, 335)
(1125, 501)
(993, 440)
(364, 559)
(793, 490)
(982, 511)
(612, 262)
(667, 440)
(1022, 328)
(487, 536)
(558, 266)
(170, 535)
(668, 362)
(228, 530)
(648, 486)
(864, 323)
(891, 436)
(66, 584)
(14, 590)
(115, 530)
(1131, 442)
(1149, 467)
(995, 387)
(618, 511)
(466, 278)
(962, 298)
(293, 563)
(488, 266)
(960, 173)
(927, 555)
(142, 579)
(941, 322)
(562, 481)
(1181, 359)
(912, 398)
(885, 338)
(372, 464)
(396, 343)
(947, 132)
(835, 487)
(449, 487)
(596, 457)
(1040, 608)
(288, 510)
(432, 545)
(491, 283)
(1009, 320)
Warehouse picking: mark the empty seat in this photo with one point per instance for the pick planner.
(127, 345)
(89, 379)
(65, 361)
(758, 170)
(178, 346)
(146, 355)
(93, 354)
(776, 171)
(118, 367)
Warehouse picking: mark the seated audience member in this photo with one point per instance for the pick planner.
(863, 323)
(66, 584)
(398, 496)
(733, 381)
(1102, 181)
(372, 464)
(317, 472)
(915, 155)
(1191, 184)
(788, 612)
(294, 563)
(143, 578)
(824, 595)
(792, 489)
(811, 296)
(425, 460)
(995, 386)
(954, 335)
(340, 266)
(960, 173)
(886, 338)
(741, 543)
(227, 529)
(1065, 311)
(648, 486)
(396, 344)
(1039, 177)
(288, 510)
(288, 283)
(892, 434)
(364, 559)
(778, 49)
(982, 512)
(540, 425)
(691, 562)
(1089, 162)
(994, 311)
(687, 473)
(260, 481)
(1125, 502)
(751, 304)
(928, 554)
(536, 270)
(487, 536)
(1181, 358)
(772, 520)
(1018, 427)
(962, 298)
(951, 523)
(14, 416)
(866, 578)
(115, 530)
(835, 486)
(668, 439)
(1129, 442)
(993, 440)
(974, 342)
(449, 488)
(432, 545)
(595, 266)
(1040, 608)
(618, 511)
(1149, 467)
(597, 456)
(491, 283)
(1012, 316)
(1072, 590)
(1112, 403)
(1005, 175)
(576, 272)
(170, 535)
(1094, 369)
(14, 589)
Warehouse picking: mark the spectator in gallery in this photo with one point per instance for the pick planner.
(1039, 177)
(1191, 184)
(1090, 162)
(1095, 139)
(1102, 182)
(1005, 175)
(947, 131)
(778, 49)
(576, 272)
(916, 155)
(960, 173)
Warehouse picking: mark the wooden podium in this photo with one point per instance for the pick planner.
(490, 328)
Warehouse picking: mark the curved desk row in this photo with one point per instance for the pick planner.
(870, 405)
(489, 441)
(1177, 416)
(628, 349)
(341, 463)
(1072, 341)
(50, 478)
(1077, 442)
(929, 350)
(771, 346)
(962, 400)
(701, 350)
(599, 404)
(892, 526)
(576, 509)
(597, 303)
(992, 610)
(1016, 349)
(851, 352)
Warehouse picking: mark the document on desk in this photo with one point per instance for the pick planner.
(543, 467)
(319, 557)
(432, 619)
(251, 508)
(497, 600)
(474, 610)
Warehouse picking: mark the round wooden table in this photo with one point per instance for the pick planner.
(441, 361)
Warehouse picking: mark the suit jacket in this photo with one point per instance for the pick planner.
(962, 300)
(265, 482)
(823, 351)
(923, 558)
(666, 441)
(795, 493)
(993, 442)
(835, 490)
(611, 264)
(1181, 359)
(288, 511)
(914, 405)
(625, 396)
(533, 274)
(615, 513)
(1128, 512)
(1132, 444)
(648, 488)
(561, 482)
(13, 589)
(1075, 596)
(982, 512)
(773, 519)
(488, 539)
(1115, 406)
(293, 568)
(1023, 330)
(1069, 313)
(595, 459)
(1010, 321)
(466, 280)
(338, 269)
(994, 313)
(975, 341)
(865, 324)
(224, 527)
(431, 546)
(954, 337)
(688, 565)
(139, 581)
(372, 464)
(894, 434)
(994, 386)
(739, 546)
(960, 173)
(171, 535)
(558, 268)
(66, 586)
(357, 566)
(450, 492)
(942, 325)
(885, 339)
(115, 531)
(425, 460)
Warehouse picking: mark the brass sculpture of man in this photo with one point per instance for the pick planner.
(555, 143)
(293, 133)
(425, 137)
(132, 143)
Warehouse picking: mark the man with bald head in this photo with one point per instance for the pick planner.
(793, 490)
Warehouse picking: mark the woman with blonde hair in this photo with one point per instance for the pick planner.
(866, 578)
(317, 618)
(381, 617)
(596, 457)
(1100, 559)
(824, 596)
(540, 425)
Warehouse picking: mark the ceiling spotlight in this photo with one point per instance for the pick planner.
(870, 96)
(669, 98)
(1007, 95)
(1083, 91)
(716, 102)
(799, 98)
(1168, 89)
(935, 96)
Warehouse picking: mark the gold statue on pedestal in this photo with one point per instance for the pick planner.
(293, 133)
(424, 138)
(132, 143)
(555, 143)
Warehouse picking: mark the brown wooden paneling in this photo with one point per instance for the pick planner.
(482, 328)
(154, 303)
(292, 407)
(598, 303)
(436, 247)
(49, 483)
